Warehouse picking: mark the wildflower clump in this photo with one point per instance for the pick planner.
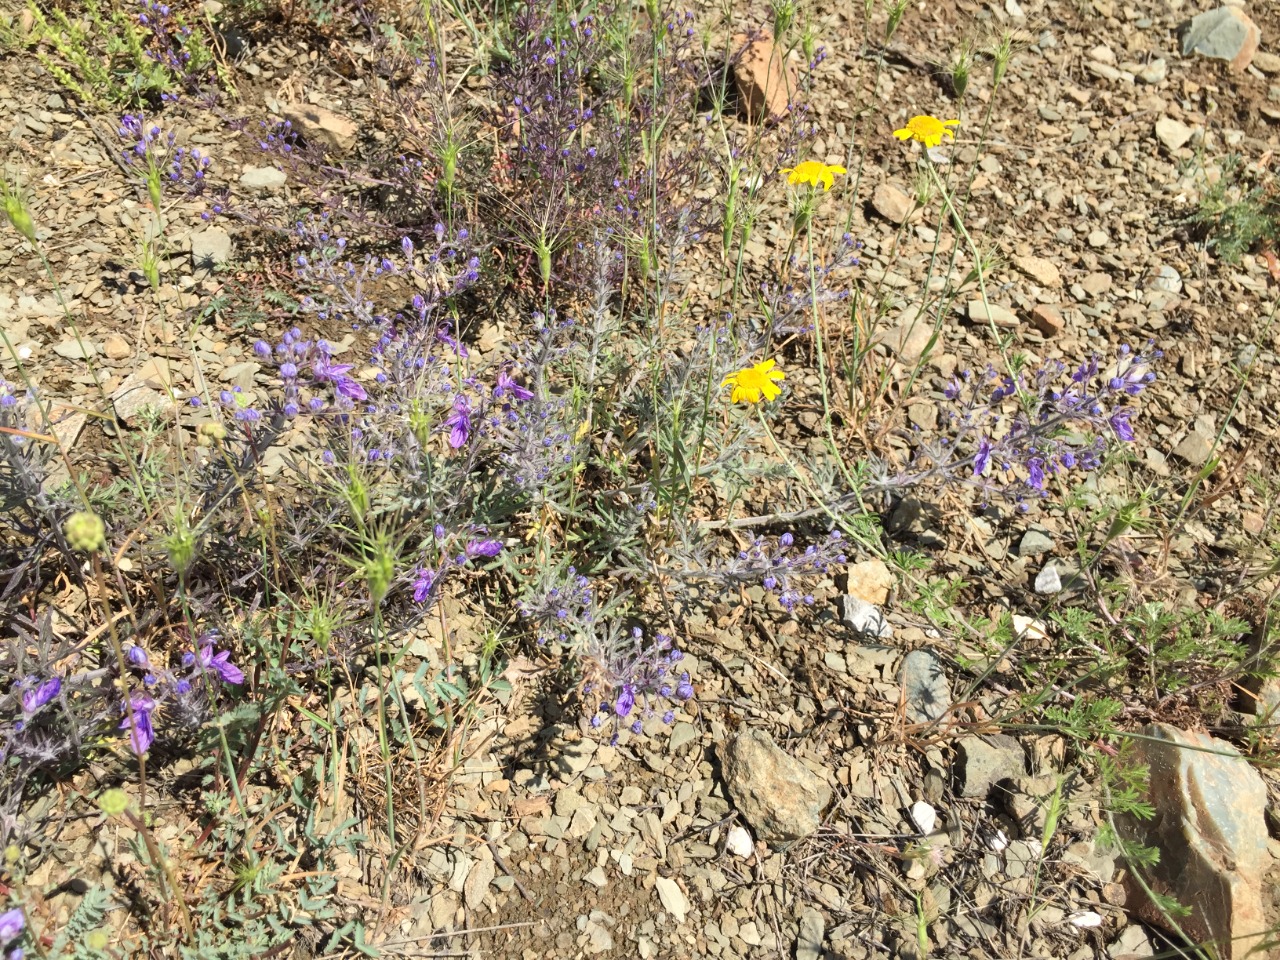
(753, 384)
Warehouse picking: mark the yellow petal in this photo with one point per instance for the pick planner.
(903, 134)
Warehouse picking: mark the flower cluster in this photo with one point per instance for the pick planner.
(164, 164)
(1011, 433)
(12, 924)
(173, 45)
(308, 373)
(629, 679)
(561, 607)
(179, 692)
(776, 565)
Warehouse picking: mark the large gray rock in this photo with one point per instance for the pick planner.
(985, 761)
(779, 796)
(210, 247)
(1211, 834)
(925, 690)
(1226, 33)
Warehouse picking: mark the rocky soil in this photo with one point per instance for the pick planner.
(858, 781)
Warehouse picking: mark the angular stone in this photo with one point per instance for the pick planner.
(1048, 320)
(763, 79)
(980, 312)
(812, 930)
(985, 761)
(1034, 543)
(866, 619)
(926, 693)
(1155, 71)
(477, 883)
(673, 899)
(210, 247)
(1048, 580)
(134, 396)
(1226, 33)
(318, 125)
(1211, 835)
(892, 204)
(779, 796)
(909, 339)
(869, 581)
(117, 347)
(79, 349)
(1043, 271)
(1195, 448)
(1173, 133)
(260, 179)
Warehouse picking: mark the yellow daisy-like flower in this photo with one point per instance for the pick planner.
(754, 383)
(813, 172)
(928, 130)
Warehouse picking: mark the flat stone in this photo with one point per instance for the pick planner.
(1048, 320)
(866, 619)
(1099, 238)
(1034, 543)
(1048, 580)
(1211, 835)
(985, 761)
(909, 339)
(869, 581)
(1194, 448)
(1166, 280)
(79, 349)
(117, 347)
(596, 877)
(261, 179)
(210, 248)
(1268, 63)
(893, 204)
(319, 125)
(779, 796)
(980, 312)
(1096, 284)
(926, 692)
(672, 898)
(1154, 72)
(134, 396)
(1173, 133)
(763, 76)
(813, 928)
(1040, 269)
(1226, 33)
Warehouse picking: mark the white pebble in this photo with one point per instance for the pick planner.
(1086, 918)
(924, 817)
(739, 842)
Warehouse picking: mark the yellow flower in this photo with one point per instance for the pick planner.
(813, 172)
(928, 130)
(754, 383)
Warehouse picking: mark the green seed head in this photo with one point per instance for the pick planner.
(85, 531)
(15, 212)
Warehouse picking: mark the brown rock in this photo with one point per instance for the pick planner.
(779, 796)
(869, 580)
(1042, 271)
(764, 79)
(892, 204)
(1047, 320)
(117, 348)
(318, 125)
(1211, 835)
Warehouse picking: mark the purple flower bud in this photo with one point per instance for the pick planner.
(483, 548)
(422, 586)
(138, 657)
(12, 923)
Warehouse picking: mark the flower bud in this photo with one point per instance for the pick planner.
(85, 531)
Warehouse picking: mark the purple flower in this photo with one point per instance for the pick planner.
(33, 700)
(483, 548)
(12, 923)
(1120, 424)
(983, 457)
(507, 385)
(137, 656)
(422, 586)
(220, 664)
(1035, 473)
(626, 700)
(141, 733)
(685, 688)
(459, 423)
(336, 373)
